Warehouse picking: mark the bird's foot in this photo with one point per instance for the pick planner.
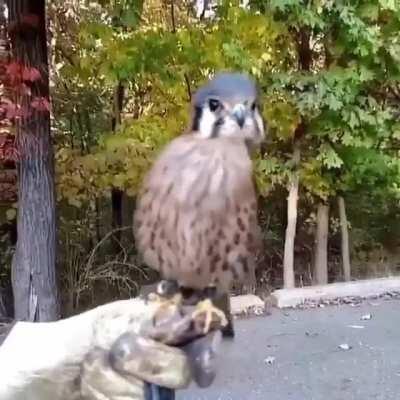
(208, 313)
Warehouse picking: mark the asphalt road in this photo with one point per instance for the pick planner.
(305, 360)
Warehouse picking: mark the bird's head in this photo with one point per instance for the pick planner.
(227, 106)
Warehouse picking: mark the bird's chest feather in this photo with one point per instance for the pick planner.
(196, 217)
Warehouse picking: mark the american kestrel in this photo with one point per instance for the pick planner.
(196, 214)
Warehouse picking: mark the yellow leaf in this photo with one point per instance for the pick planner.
(266, 57)
(75, 202)
(11, 214)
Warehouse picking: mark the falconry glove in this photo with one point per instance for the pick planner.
(111, 352)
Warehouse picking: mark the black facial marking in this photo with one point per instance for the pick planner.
(214, 104)
(216, 127)
(198, 111)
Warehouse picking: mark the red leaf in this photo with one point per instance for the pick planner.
(30, 74)
(14, 69)
(8, 150)
(11, 153)
(12, 111)
(40, 104)
(25, 90)
(3, 140)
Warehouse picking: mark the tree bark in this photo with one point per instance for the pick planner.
(33, 267)
(321, 245)
(288, 260)
(345, 239)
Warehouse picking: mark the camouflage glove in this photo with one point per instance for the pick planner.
(108, 353)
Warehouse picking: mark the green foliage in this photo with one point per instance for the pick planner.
(329, 74)
(160, 68)
(324, 64)
(119, 161)
(347, 60)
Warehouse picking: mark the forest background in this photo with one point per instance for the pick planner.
(106, 84)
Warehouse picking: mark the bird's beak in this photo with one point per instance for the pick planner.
(239, 113)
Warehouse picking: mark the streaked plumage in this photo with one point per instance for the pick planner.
(196, 215)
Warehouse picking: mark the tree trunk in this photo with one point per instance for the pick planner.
(116, 194)
(288, 260)
(33, 267)
(345, 239)
(321, 245)
(305, 59)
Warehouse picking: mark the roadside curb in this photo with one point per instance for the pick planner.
(285, 298)
(246, 304)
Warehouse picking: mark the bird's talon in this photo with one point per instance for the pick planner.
(209, 311)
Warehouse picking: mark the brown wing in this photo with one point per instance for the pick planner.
(196, 215)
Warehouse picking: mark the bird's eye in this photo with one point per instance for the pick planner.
(214, 104)
(253, 106)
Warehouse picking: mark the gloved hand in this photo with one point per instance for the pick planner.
(109, 353)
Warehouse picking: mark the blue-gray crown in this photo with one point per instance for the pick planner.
(226, 86)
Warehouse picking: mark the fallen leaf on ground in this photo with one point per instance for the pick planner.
(366, 317)
(269, 360)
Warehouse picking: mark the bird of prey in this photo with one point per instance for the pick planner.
(196, 213)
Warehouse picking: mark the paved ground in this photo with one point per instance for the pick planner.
(309, 365)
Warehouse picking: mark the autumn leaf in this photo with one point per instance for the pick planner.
(30, 74)
(40, 104)
(11, 214)
(13, 111)
(14, 70)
